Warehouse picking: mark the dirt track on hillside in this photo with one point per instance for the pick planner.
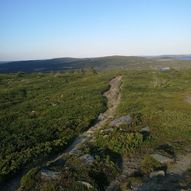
(113, 99)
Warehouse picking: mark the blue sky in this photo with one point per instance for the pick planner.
(36, 29)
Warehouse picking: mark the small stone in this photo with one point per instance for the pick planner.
(124, 120)
(105, 136)
(101, 116)
(164, 69)
(157, 173)
(145, 132)
(107, 130)
(49, 174)
(145, 129)
(87, 184)
(87, 159)
(32, 113)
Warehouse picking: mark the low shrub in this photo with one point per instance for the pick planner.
(149, 164)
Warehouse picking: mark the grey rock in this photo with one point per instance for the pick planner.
(54, 104)
(87, 184)
(164, 69)
(107, 130)
(162, 159)
(105, 136)
(87, 159)
(157, 173)
(145, 132)
(145, 129)
(33, 113)
(101, 116)
(49, 174)
(124, 120)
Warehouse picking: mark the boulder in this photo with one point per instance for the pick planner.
(124, 120)
(157, 173)
(162, 159)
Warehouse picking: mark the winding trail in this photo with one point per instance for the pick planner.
(113, 99)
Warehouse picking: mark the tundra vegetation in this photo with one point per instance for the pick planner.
(42, 113)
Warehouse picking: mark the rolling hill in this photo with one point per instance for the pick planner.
(99, 63)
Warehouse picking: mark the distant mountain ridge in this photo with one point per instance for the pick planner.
(57, 64)
(99, 63)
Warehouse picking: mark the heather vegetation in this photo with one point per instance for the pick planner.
(156, 100)
(41, 113)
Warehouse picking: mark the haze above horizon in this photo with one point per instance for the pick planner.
(40, 29)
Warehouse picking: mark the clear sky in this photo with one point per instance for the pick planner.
(35, 29)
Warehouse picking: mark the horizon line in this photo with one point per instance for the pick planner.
(113, 55)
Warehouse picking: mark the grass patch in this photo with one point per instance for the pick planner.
(162, 107)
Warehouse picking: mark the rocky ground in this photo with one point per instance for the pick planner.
(173, 173)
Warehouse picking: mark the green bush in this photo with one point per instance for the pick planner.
(28, 181)
(149, 164)
(120, 142)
